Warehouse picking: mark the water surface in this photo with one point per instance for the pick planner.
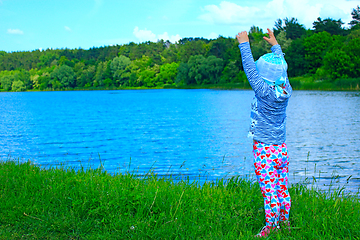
(201, 134)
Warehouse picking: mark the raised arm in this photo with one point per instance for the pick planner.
(276, 49)
(257, 84)
(272, 41)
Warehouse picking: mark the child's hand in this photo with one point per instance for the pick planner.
(271, 40)
(242, 37)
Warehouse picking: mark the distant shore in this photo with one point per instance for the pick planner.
(297, 83)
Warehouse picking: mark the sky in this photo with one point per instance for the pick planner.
(27, 25)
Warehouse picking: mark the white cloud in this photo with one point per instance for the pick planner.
(331, 11)
(246, 15)
(172, 38)
(15, 31)
(229, 13)
(148, 35)
(144, 35)
(67, 28)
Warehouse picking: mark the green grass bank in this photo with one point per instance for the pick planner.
(63, 203)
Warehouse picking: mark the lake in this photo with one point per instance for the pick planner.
(199, 134)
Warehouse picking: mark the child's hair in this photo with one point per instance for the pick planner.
(272, 68)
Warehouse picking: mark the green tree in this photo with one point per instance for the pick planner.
(352, 49)
(230, 73)
(170, 53)
(182, 76)
(108, 82)
(79, 70)
(295, 58)
(55, 84)
(133, 79)
(256, 34)
(149, 49)
(338, 64)
(205, 70)
(44, 81)
(131, 76)
(283, 41)
(24, 76)
(119, 69)
(147, 77)
(7, 80)
(35, 81)
(64, 61)
(143, 62)
(219, 47)
(315, 49)
(355, 14)
(126, 49)
(197, 71)
(354, 34)
(233, 54)
(191, 48)
(168, 73)
(213, 69)
(65, 75)
(85, 79)
(46, 59)
(292, 28)
(100, 74)
(107, 71)
(334, 27)
(18, 86)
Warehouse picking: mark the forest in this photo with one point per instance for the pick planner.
(324, 57)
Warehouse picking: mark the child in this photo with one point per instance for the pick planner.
(268, 78)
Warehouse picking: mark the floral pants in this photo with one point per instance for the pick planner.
(271, 169)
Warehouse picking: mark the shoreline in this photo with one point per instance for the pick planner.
(298, 83)
(212, 87)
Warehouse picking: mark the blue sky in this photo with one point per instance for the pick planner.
(27, 25)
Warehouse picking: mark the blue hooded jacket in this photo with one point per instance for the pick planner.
(268, 110)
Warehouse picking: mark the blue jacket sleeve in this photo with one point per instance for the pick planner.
(276, 49)
(257, 84)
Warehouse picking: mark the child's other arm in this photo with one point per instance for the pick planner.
(273, 42)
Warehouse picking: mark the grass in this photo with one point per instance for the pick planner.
(309, 82)
(63, 203)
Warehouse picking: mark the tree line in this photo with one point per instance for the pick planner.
(327, 52)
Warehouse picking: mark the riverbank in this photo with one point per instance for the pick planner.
(92, 204)
(297, 83)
